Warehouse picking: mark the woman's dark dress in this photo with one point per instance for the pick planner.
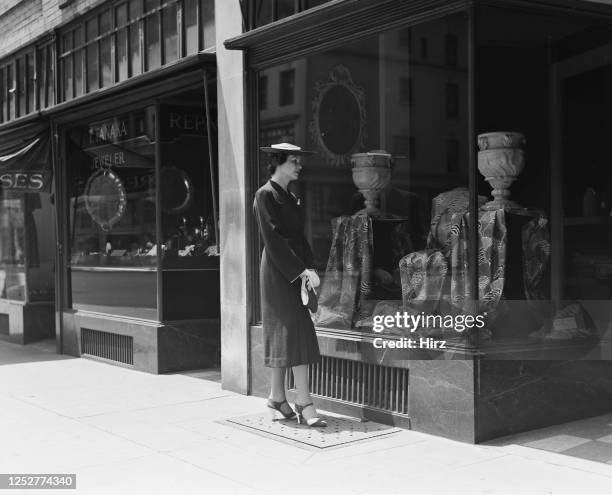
(289, 334)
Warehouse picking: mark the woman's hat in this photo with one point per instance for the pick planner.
(288, 148)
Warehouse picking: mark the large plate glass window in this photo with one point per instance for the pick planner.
(388, 224)
(111, 171)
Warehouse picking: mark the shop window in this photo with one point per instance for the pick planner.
(111, 170)
(286, 87)
(263, 92)
(368, 248)
(188, 225)
(12, 246)
(451, 49)
(406, 96)
(452, 101)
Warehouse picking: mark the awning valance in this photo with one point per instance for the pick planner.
(26, 167)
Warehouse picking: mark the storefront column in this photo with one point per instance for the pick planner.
(233, 207)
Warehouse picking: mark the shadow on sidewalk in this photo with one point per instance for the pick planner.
(589, 439)
(43, 350)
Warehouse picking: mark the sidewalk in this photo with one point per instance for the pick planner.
(127, 432)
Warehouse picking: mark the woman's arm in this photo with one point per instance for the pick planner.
(276, 244)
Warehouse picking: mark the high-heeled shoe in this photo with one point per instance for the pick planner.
(276, 409)
(312, 422)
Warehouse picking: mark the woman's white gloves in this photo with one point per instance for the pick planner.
(312, 279)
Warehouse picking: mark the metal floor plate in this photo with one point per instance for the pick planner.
(339, 431)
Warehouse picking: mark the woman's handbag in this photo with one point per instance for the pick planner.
(309, 296)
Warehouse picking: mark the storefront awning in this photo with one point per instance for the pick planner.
(26, 167)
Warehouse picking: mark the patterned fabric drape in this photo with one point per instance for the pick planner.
(348, 276)
(448, 244)
(436, 279)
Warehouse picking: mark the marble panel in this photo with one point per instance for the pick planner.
(441, 398)
(260, 376)
(189, 344)
(515, 396)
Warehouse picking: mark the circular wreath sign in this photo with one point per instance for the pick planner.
(105, 198)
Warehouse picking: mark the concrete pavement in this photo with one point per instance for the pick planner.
(127, 432)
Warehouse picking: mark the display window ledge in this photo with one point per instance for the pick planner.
(78, 268)
(111, 317)
(359, 345)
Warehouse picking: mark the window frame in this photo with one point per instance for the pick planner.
(123, 35)
(25, 86)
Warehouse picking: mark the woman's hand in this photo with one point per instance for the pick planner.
(315, 281)
(312, 279)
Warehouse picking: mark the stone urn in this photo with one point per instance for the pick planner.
(501, 160)
(371, 175)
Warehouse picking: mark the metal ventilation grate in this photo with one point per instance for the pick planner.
(106, 345)
(370, 385)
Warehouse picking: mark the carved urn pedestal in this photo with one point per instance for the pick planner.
(371, 175)
(501, 160)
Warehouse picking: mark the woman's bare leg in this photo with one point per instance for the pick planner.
(277, 388)
(300, 375)
(277, 384)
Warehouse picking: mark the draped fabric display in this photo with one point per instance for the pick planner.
(436, 280)
(351, 292)
(347, 281)
(26, 167)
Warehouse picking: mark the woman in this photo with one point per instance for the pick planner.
(289, 335)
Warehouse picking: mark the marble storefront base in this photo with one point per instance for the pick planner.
(516, 396)
(440, 392)
(157, 347)
(24, 323)
(470, 399)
